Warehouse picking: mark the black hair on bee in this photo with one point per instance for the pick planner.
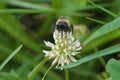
(63, 24)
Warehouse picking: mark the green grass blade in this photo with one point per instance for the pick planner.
(104, 52)
(23, 11)
(10, 57)
(105, 10)
(95, 20)
(107, 28)
(102, 41)
(28, 5)
(36, 69)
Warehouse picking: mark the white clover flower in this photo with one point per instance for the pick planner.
(65, 47)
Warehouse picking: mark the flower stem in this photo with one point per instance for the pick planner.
(47, 72)
(66, 74)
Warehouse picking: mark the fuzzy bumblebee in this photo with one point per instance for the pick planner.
(63, 24)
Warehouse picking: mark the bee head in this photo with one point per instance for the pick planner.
(63, 24)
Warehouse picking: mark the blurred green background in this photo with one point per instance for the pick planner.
(30, 22)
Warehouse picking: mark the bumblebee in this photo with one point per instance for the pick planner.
(63, 24)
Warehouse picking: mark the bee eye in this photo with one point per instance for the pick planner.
(62, 24)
